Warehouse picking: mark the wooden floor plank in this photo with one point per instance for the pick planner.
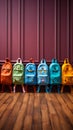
(13, 115)
(67, 114)
(4, 99)
(29, 114)
(36, 113)
(6, 103)
(46, 125)
(22, 113)
(53, 117)
(49, 102)
(70, 97)
(61, 115)
(2, 96)
(7, 114)
(68, 102)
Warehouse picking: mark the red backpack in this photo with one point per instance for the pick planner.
(6, 72)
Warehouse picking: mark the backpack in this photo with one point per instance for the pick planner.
(30, 73)
(67, 73)
(6, 72)
(54, 72)
(42, 73)
(18, 72)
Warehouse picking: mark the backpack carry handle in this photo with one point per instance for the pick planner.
(66, 61)
(7, 60)
(43, 61)
(31, 60)
(19, 60)
(54, 60)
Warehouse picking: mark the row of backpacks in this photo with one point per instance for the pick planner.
(43, 74)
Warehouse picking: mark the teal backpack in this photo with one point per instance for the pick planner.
(18, 72)
(54, 75)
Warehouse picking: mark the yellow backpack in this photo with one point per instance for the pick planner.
(67, 73)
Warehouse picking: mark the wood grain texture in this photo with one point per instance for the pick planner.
(32, 111)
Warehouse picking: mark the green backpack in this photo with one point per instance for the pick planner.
(18, 72)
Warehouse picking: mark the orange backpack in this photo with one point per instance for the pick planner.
(6, 72)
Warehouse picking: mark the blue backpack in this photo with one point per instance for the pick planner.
(42, 73)
(30, 74)
(54, 74)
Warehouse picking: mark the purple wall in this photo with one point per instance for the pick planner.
(36, 28)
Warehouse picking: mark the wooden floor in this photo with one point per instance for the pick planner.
(36, 111)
